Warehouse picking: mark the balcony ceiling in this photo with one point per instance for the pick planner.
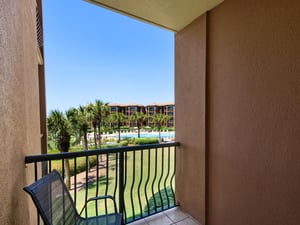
(173, 15)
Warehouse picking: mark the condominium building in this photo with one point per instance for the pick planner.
(150, 110)
(163, 108)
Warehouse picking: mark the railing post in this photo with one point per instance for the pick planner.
(121, 183)
(44, 168)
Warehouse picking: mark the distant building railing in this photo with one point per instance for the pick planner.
(140, 178)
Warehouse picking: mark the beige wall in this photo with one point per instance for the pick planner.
(252, 114)
(190, 72)
(19, 106)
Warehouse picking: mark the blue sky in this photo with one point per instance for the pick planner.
(93, 53)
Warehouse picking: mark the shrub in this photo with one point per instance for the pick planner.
(80, 164)
(111, 139)
(76, 148)
(163, 128)
(112, 145)
(129, 140)
(145, 141)
(124, 143)
(160, 200)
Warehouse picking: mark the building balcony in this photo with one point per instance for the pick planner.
(141, 179)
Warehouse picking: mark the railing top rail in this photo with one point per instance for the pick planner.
(67, 155)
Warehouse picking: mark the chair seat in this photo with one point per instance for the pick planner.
(109, 219)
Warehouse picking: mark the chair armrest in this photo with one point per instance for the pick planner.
(99, 198)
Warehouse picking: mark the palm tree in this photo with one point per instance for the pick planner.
(93, 121)
(59, 127)
(80, 124)
(79, 119)
(159, 120)
(140, 118)
(71, 114)
(105, 115)
(83, 124)
(99, 111)
(118, 118)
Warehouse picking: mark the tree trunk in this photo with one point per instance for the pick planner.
(119, 131)
(139, 127)
(95, 137)
(159, 133)
(99, 131)
(99, 134)
(86, 146)
(67, 173)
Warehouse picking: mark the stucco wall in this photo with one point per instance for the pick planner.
(190, 71)
(19, 106)
(252, 114)
(254, 107)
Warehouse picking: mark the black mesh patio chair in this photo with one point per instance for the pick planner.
(56, 207)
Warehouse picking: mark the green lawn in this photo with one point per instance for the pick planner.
(137, 174)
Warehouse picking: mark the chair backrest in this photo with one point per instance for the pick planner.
(53, 200)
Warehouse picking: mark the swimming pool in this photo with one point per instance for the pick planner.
(148, 134)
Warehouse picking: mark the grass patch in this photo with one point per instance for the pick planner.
(146, 175)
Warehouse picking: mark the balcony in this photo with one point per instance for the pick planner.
(140, 178)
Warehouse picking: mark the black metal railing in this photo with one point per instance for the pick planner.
(140, 178)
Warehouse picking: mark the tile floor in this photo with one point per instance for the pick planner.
(171, 216)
